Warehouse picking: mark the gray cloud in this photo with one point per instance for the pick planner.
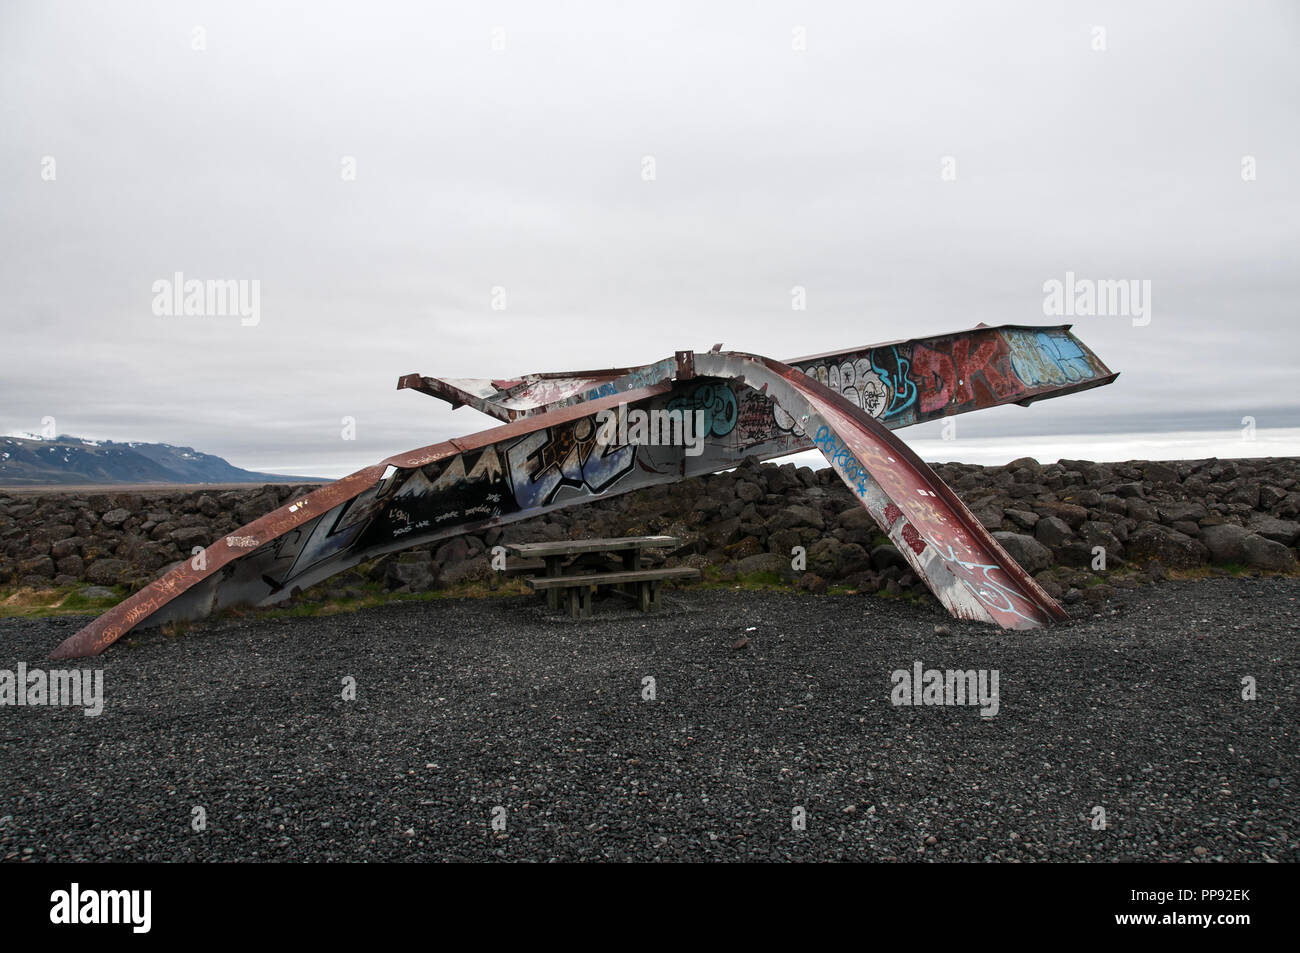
(521, 168)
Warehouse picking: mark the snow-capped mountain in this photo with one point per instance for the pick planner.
(29, 459)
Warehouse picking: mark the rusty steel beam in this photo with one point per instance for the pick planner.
(961, 562)
(327, 531)
(899, 382)
(537, 393)
(554, 454)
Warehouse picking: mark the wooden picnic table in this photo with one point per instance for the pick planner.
(575, 588)
(555, 553)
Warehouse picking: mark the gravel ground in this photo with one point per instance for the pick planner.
(466, 706)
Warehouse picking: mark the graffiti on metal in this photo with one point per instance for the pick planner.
(552, 455)
(914, 381)
(960, 561)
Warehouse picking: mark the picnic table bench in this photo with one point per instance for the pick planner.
(574, 589)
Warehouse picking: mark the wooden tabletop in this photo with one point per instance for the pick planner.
(572, 547)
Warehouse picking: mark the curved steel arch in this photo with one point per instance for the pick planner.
(326, 532)
(548, 457)
(961, 562)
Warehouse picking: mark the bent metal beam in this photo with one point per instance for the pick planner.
(553, 453)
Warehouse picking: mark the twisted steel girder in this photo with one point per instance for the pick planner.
(552, 454)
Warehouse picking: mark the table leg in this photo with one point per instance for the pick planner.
(631, 563)
(552, 570)
(578, 601)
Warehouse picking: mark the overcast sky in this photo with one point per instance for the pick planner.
(503, 145)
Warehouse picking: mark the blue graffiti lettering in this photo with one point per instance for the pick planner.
(718, 402)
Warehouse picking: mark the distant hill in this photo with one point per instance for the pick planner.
(31, 460)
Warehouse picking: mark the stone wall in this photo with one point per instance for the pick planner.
(1149, 518)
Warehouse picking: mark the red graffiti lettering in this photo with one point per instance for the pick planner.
(913, 539)
(935, 375)
(990, 360)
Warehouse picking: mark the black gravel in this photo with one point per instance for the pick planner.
(464, 706)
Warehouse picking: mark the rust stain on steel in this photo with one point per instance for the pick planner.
(547, 457)
(117, 621)
(123, 617)
(961, 562)
(533, 394)
(899, 382)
